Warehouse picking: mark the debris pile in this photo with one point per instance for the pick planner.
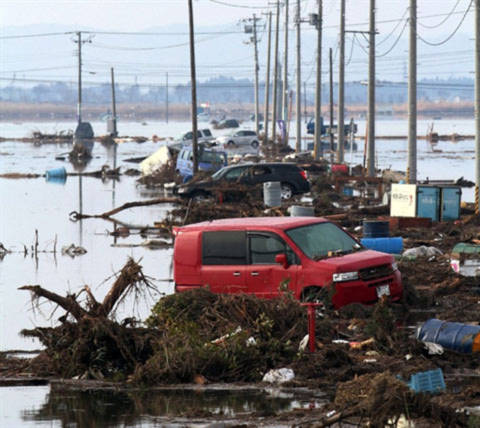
(221, 337)
(87, 343)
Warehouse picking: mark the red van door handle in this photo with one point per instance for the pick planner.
(255, 274)
(236, 273)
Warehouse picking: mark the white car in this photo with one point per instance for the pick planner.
(203, 136)
(238, 138)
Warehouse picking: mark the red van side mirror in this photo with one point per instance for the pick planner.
(281, 259)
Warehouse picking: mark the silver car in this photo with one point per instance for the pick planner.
(238, 138)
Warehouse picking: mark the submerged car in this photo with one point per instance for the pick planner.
(243, 137)
(208, 160)
(292, 178)
(260, 255)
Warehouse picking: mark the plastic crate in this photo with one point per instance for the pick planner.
(430, 381)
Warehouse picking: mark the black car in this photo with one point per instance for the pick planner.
(292, 178)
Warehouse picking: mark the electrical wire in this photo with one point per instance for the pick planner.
(395, 43)
(223, 3)
(394, 28)
(177, 45)
(452, 34)
(443, 20)
(351, 50)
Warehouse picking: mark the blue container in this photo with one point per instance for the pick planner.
(451, 335)
(56, 180)
(376, 229)
(428, 202)
(385, 245)
(56, 173)
(430, 381)
(348, 191)
(450, 203)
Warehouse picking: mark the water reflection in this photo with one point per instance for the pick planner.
(117, 408)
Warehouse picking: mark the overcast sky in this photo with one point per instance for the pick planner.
(136, 15)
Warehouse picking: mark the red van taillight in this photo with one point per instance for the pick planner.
(303, 173)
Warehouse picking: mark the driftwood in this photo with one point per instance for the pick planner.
(130, 275)
(78, 216)
(68, 303)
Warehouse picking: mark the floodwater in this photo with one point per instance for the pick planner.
(30, 205)
(44, 407)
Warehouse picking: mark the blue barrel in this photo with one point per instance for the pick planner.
(56, 180)
(376, 229)
(385, 245)
(348, 191)
(56, 173)
(451, 335)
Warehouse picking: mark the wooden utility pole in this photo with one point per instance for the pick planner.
(298, 143)
(341, 87)
(412, 96)
(318, 151)
(194, 90)
(79, 103)
(267, 83)
(255, 44)
(371, 95)
(275, 77)
(114, 105)
(330, 58)
(285, 70)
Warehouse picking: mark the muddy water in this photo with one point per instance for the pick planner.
(40, 406)
(29, 205)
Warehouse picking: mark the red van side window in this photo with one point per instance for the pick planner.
(224, 248)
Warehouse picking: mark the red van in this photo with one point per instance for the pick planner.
(256, 255)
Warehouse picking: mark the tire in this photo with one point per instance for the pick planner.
(286, 191)
(254, 144)
(231, 144)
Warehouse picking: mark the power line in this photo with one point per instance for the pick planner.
(394, 29)
(443, 20)
(223, 3)
(396, 41)
(451, 35)
(177, 45)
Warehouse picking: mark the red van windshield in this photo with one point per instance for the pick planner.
(321, 240)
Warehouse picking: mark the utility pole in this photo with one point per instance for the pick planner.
(275, 76)
(194, 91)
(371, 95)
(330, 58)
(477, 106)
(318, 151)
(166, 98)
(255, 42)
(341, 86)
(114, 105)
(249, 29)
(79, 104)
(267, 83)
(305, 113)
(412, 97)
(298, 143)
(285, 69)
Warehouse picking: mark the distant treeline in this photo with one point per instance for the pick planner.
(230, 90)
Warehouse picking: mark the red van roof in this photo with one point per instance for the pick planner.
(254, 222)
